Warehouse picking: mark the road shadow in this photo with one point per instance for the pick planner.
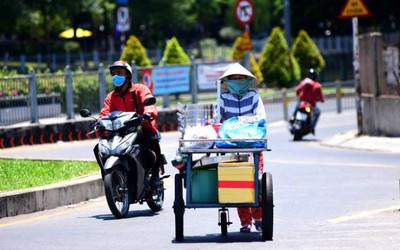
(233, 237)
(131, 214)
(306, 140)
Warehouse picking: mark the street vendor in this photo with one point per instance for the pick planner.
(239, 98)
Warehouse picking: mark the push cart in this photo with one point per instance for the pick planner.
(198, 189)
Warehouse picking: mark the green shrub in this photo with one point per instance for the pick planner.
(307, 53)
(238, 55)
(134, 51)
(255, 68)
(278, 65)
(237, 52)
(72, 46)
(174, 53)
(6, 72)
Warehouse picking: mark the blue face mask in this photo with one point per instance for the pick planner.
(239, 86)
(118, 80)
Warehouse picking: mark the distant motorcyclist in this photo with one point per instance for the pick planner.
(129, 97)
(310, 90)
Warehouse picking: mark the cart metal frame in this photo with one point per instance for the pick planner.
(265, 185)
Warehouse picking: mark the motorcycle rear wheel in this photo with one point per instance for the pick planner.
(116, 190)
(297, 137)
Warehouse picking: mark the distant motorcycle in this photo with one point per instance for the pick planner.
(125, 165)
(300, 123)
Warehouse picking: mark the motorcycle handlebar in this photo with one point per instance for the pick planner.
(94, 127)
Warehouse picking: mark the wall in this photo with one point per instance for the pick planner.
(380, 98)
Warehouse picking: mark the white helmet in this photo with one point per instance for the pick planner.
(122, 64)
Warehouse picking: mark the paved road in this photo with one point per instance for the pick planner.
(325, 198)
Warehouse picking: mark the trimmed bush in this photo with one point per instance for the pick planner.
(134, 51)
(278, 65)
(307, 53)
(174, 53)
(238, 55)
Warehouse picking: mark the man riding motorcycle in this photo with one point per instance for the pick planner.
(309, 90)
(129, 97)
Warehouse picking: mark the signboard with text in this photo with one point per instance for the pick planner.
(355, 8)
(207, 75)
(171, 79)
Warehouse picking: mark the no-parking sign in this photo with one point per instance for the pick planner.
(147, 79)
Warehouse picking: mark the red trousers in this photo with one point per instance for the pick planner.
(247, 214)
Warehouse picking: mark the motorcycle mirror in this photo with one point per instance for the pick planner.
(85, 113)
(149, 101)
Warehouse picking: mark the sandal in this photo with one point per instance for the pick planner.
(245, 229)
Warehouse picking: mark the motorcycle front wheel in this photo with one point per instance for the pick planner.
(116, 190)
(156, 200)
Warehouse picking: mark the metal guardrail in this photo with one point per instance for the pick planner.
(31, 97)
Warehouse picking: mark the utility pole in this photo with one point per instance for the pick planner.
(286, 14)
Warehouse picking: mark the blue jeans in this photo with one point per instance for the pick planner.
(314, 119)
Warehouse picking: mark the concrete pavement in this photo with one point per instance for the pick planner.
(89, 187)
(350, 140)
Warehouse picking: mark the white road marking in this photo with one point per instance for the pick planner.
(340, 164)
(363, 214)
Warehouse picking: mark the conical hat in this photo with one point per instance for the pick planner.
(238, 69)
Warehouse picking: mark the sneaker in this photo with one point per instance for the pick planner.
(258, 225)
(245, 229)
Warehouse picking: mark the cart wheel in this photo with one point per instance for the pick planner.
(179, 208)
(267, 207)
(224, 224)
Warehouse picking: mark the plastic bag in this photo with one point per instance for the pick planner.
(242, 128)
(199, 132)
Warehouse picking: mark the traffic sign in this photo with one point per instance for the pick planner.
(246, 41)
(355, 8)
(123, 24)
(147, 79)
(244, 11)
(122, 14)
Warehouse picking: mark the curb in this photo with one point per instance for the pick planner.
(55, 195)
(67, 130)
(65, 193)
(350, 140)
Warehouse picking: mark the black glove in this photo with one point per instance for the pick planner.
(147, 117)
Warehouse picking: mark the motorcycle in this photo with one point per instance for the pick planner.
(300, 122)
(125, 165)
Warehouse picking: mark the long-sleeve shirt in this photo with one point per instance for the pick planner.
(310, 91)
(114, 101)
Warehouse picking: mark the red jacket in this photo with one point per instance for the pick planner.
(310, 91)
(114, 101)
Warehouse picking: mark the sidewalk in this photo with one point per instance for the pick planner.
(350, 140)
